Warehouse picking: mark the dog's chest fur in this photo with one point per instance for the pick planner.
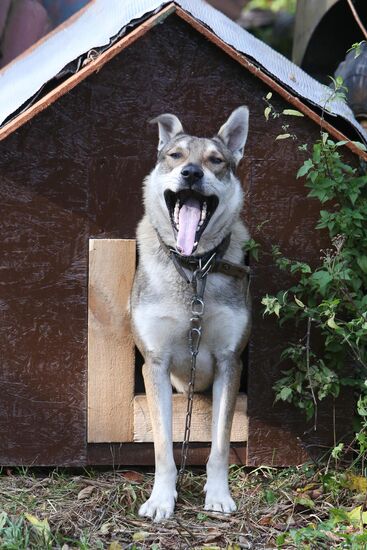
(161, 310)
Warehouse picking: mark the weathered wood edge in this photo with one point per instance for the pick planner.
(111, 350)
(142, 454)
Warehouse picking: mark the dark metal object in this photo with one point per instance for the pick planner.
(198, 283)
(324, 31)
(353, 70)
(193, 262)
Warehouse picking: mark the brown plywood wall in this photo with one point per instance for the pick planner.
(75, 172)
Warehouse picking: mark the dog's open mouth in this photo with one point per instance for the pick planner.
(190, 213)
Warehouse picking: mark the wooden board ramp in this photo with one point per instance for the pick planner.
(110, 343)
(201, 419)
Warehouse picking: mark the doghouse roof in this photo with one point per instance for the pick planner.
(102, 29)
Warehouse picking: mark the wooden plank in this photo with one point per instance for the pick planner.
(201, 419)
(110, 343)
(142, 454)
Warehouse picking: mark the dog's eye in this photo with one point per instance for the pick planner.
(175, 155)
(215, 160)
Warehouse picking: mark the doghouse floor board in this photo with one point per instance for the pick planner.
(115, 414)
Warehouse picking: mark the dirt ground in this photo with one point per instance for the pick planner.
(277, 508)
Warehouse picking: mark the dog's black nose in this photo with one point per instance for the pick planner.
(192, 173)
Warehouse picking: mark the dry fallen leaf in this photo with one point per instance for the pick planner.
(357, 483)
(133, 477)
(266, 520)
(212, 534)
(330, 535)
(307, 488)
(105, 528)
(140, 535)
(86, 492)
(41, 525)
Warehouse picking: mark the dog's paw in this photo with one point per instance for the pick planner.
(218, 500)
(158, 508)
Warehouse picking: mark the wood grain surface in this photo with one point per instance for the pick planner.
(110, 343)
(201, 419)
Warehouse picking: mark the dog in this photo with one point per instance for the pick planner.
(193, 202)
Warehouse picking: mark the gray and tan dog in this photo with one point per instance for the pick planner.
(193, 202)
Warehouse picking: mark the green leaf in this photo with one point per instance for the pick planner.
(270, 496)
(280, 540)
(331, 323)
(362, 406)
(360, 145)
(357, 517)
(269, 95)
(362, 262)
(271, 304)
(305, 168)
(335, 453)
(298, 302)
(305, 501)
(292, 112)
(3, 518)
(322, 279)
(285, 394)
(267, 112)
(283, 136)
(357, 47)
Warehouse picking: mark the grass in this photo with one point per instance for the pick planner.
(277, 508)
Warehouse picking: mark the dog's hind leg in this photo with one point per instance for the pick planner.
(225, 391)
(158, 387)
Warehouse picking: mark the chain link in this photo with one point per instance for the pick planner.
(198, 283)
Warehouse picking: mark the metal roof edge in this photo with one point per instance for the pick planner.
(181, 7)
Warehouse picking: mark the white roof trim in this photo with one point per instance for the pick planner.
(100, 20)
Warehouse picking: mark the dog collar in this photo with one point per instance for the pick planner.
(212, 259)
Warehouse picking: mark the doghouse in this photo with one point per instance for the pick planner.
(75, 149)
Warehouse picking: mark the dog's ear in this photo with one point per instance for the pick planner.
(169, 126)
(234, 132)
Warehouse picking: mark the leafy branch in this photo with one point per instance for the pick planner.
(330, 300)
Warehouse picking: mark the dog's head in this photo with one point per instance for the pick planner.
(193, 196)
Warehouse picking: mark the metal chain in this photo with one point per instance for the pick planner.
(198, 283)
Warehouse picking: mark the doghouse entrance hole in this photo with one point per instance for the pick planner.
(139, 380)
(117, 404)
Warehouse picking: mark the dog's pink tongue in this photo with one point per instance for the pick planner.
(189, 218)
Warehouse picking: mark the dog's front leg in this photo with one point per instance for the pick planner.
(158, 387)
(225, 391)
